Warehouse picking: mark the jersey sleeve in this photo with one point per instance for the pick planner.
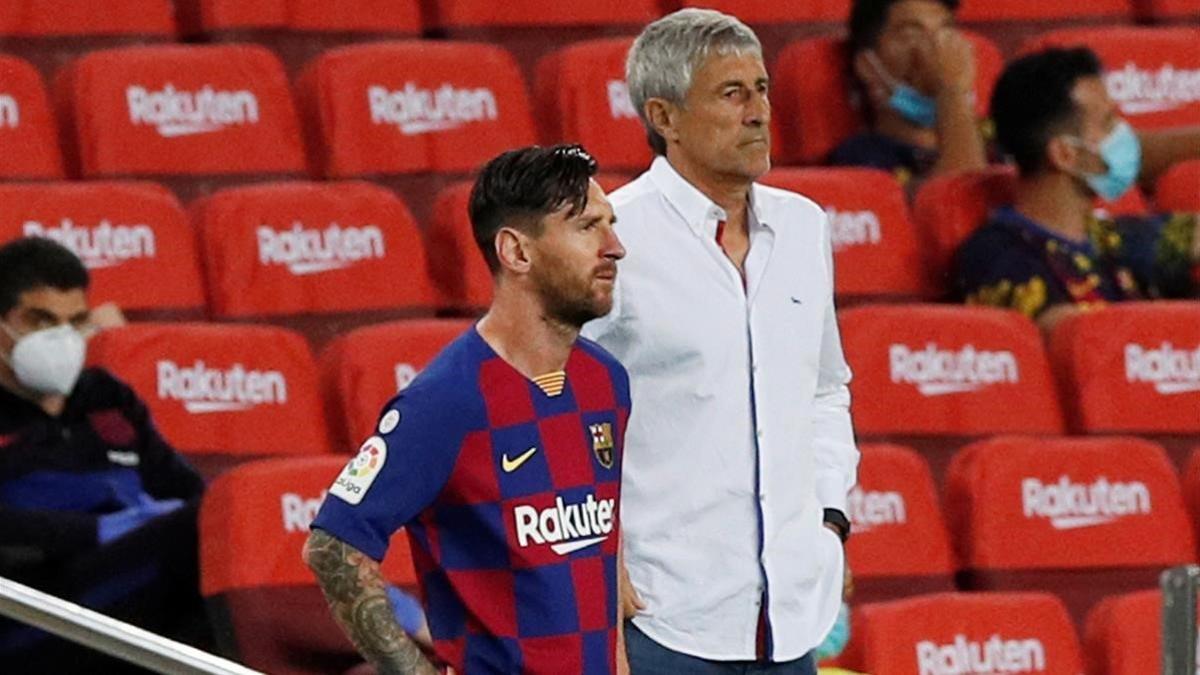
(397, 473)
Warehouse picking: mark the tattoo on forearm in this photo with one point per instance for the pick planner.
(357, 596)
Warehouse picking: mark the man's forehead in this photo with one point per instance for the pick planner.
(918, 12)
(746, 66)
(47, 300)
(1090, 94)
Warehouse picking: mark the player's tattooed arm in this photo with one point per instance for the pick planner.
(357, 595)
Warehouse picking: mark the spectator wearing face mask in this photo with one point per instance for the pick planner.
(915, 73)
(95, 506)
(1048, 254)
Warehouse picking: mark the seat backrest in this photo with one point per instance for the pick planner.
(456, 266)
(1178, 189)
(875, 245)
(985, 11)
(965, 633)
(947, 371)
(220, 110)
(353, 16)
(286, 249)
(451, 14)
(582, 98)
(361, 370)
(413, 107)
(768, 11)
(28, 131)
(895, 516)
(134, 238)
(221, 388)
(1167, 10)
(1124, 634)
(817, 69)
(64, 18)
(1153, 74)
(1132, 367)
(1017, 503)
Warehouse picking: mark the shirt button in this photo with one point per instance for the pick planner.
(759, 433)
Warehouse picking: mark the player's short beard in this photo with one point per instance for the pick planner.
(569, 299)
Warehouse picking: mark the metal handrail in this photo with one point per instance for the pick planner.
(105, 634)
(1179, 619)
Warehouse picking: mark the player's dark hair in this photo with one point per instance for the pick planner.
(35, 262)
(521, 187)
(868, 17)
(1032, 101)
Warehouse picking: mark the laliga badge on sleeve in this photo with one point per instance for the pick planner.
(389, 422)
(352, 485)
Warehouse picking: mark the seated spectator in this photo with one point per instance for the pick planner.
(915, 75)
(1048, 253)
(95, 507)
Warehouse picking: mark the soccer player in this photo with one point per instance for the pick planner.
(503, 458)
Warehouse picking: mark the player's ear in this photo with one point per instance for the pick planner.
(663, 116)
(512, 250)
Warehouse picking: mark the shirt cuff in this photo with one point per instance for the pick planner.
(831, 491)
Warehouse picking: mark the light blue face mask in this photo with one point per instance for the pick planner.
(1122, 154)
(912, 105)
(839, 635)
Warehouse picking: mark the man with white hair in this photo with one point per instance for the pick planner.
(740, 451)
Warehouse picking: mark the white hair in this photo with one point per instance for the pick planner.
(666, 55)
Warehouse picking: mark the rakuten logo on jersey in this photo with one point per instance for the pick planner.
(566, 527)
(298, 512)
(1170, 370)
(310, 251)
(105, 245)
(421, 111)
(619, 102)
(1070, 505)
(208, 390)
(185, 113)
(854, 228)
(935, 371)
(1140, 91)
(10, 112)
(991, 657)
(870, 509)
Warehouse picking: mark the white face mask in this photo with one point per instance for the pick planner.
(48, 361)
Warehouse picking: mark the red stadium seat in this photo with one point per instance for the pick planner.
(134, 238)
(298, 30)
(777, 23)
(1011, 22)
(899, 547)
(1153, 74)
(221, 393)
(816, 70)
(317, 257)
(1079, 517)
(1124, 634)
(361, 370)
(195, 117)
(1178, 189)
(51, 32)
(877, 253)
(414, 115)
(1190, 478)
(28, 132)
(935, 376)
(1168, 11)
(266, 605)
(1133, 368)
(582, 98)
(961, 633)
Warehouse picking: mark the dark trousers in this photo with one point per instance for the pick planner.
(647, 657)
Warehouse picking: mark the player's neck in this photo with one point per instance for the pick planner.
(521, 333)
(1056, 203)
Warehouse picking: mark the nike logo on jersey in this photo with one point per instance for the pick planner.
(511, 465)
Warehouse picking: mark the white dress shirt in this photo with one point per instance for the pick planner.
(740, 434)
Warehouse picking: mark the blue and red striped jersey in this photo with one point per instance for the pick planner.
(509, 488)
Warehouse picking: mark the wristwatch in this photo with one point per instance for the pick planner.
(839, 521)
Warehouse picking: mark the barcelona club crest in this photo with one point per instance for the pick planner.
(602, 443)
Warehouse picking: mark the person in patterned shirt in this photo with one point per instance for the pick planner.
(1049, 253)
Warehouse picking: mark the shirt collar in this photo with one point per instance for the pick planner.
(701, 213)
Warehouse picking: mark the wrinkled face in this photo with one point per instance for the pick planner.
(574, 261)
(910, 28)
(39, 309)
(723, 126)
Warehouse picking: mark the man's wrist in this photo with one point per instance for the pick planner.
(838, 522)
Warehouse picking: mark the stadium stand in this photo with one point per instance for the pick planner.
(965, 633)
(134, 238)
(221, 394)
(1178, 189)
(265, 603)
(935, 377)
(1168, 11)
(877, 253)
(298, 30)
(1124, 634)
(363, 369)
(1011, 22)
(1079, 517)
(414, 115)
(320, 258)
(778, 23)
(49, 33)
(196, 118)
(28, 131)
(900, 547)
(816, 69)
(1133, 368)
(1153, 74)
